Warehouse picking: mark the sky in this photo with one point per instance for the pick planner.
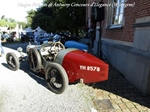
(16, 9)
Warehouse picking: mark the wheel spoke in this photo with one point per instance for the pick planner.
(54, 78)
(11, 61)
(12, 64)
(58, 85)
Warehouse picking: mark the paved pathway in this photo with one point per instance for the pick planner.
(122, 95)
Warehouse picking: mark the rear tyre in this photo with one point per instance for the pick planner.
(12, 61)
(34, 59)
(56, 78)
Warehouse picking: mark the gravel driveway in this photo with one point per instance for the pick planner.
(23, 91)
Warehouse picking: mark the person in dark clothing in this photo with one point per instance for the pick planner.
(22, 37)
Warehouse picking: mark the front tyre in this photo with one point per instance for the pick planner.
(12, 61)
(34, 59)
(56, 78)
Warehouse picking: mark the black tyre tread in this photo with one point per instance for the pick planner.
(38, 58)
(64, 77)
(16, 59)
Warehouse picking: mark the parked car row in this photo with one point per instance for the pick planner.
(9, 37)
(55, 37)
(62, 37)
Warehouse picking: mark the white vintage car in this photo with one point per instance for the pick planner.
(60, 65)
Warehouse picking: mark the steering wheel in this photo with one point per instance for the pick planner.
(58, 46)
(54, 46)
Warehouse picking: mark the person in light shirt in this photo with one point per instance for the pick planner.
(35, 35)
(45, 34)
(1, 47)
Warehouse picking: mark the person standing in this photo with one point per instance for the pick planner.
(1, 47)
(35, 36)
(22, 37)
(45, 34)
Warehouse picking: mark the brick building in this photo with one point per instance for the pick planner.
(126, 39)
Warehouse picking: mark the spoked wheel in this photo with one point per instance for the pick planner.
(34, 59)
(12, 61)
(56, 78)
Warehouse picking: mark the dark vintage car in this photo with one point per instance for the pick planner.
(41, 39)
(60, 65)
(44, 39)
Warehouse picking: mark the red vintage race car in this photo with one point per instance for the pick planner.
(60, 65)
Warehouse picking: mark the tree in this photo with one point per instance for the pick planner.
(58, 18)
(24, 25)
(30, 16)
(70, 18)
(41, 20)
(3, 16)
(11, 20)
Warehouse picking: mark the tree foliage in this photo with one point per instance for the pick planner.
(10, 22)
(58, 18)
(41, 20)
(30, 16)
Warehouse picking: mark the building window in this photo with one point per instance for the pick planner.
(117, 13)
